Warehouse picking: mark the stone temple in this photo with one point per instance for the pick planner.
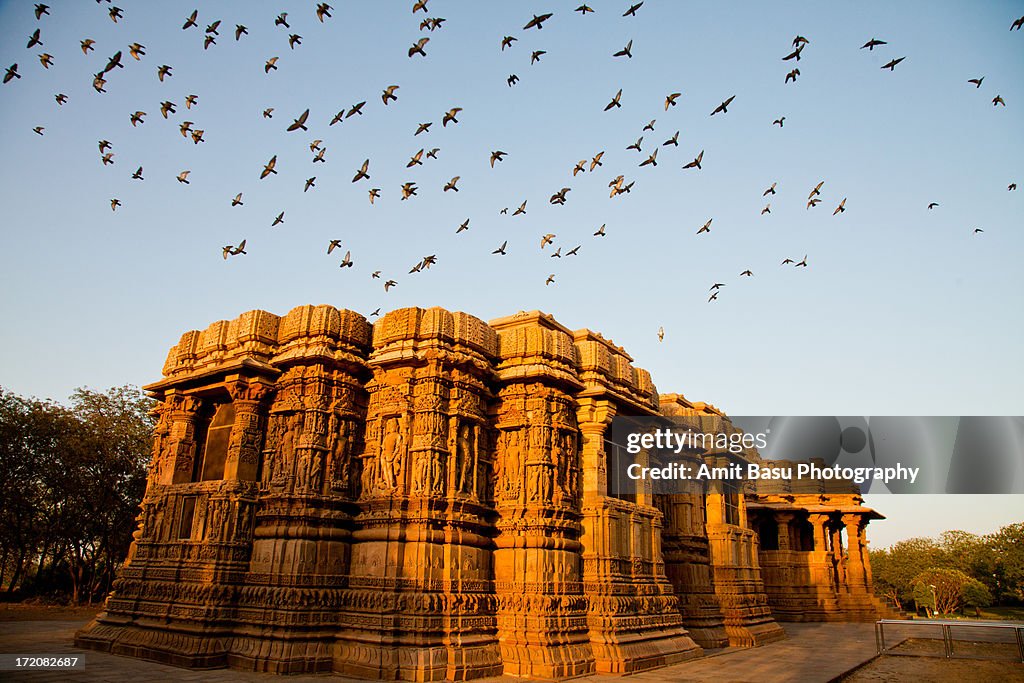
(426, 498)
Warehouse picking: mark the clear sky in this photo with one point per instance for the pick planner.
(927, 516)
(901, 310)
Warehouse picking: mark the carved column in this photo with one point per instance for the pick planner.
(783, 519)
(542, 613)
(243, 455)
(302, 538)
(818, 522)
(836, 535)
(856, 573)
(181, 444)
(421, 589)
(738, 579)
(633, 617)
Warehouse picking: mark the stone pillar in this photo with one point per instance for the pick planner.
(181, 444)
(782, 519)
(542, 612)
(856, 572)
(738, 579)
(247, 433)
(836, 535)
(633, 616)
(302, 538)
(818, 522)
(421, 588)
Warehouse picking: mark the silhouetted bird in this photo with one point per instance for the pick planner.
(537, 21)
(696, 162)
(417, 48)
(723, 107)
(891, 65)
(268, 168)
(362, 172)
(450, 116)
(299, 123)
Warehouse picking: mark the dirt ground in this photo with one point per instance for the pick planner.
(928, 669)
(22, 611)
(934, 670)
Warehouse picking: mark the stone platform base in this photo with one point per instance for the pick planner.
(157, 644)
(643, 653)
(754, 635)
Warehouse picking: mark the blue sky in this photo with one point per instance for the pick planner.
(901, 310)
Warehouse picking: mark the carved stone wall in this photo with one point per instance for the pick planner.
(426, 498)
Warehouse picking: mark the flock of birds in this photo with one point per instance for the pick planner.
(618, 186)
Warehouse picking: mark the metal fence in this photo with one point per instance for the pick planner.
(976, 639)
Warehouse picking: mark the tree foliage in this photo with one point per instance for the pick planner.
(967, 569)
(72, 478)
(947, 591)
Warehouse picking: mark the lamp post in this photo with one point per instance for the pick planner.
(935, 599)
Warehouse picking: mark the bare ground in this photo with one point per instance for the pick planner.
(30, 611)
(928, 668)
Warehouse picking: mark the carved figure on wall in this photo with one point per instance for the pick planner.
(563, 467)
(160, 437)
(216, 520)
(315, 475)
(286, 449)
(497, 465)
(513, 462)
(338, 453)
(158, 525)
(465, 458)
(391, 454)
(371, 473)
(540, 461)
(421, 472)
(244, 521)
(436, 473)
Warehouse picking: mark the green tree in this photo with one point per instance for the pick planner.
(946, 591)
(976, 595)
(1007, 550)
(965, 551)
(72, 480)
(894, 569)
